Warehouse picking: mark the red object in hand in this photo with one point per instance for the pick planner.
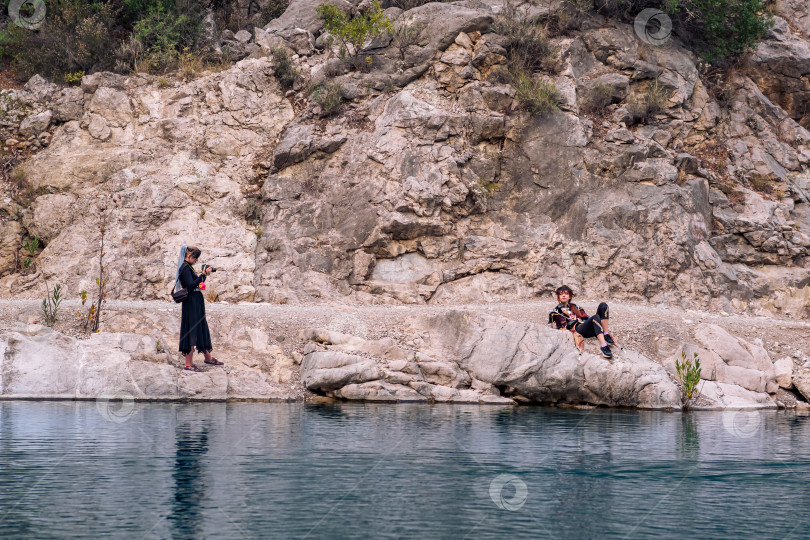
(202, 286)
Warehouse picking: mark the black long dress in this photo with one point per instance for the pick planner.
(193, 326)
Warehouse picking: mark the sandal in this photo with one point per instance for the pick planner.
(214, 362)
(192, 367)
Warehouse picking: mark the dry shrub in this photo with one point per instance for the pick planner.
(654, 101)
(529, 49)
(329, 97)
(600, 97)
(211, 294)
(536, 96)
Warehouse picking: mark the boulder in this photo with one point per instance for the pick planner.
(783, 369)
(243, 35)
(482, 359)
(604, 89)
(802, 382)
(35, 124)
(39, 89)
(721, 395)
(68, 105)
(295, 146)
(37, 362)
(330, 370)
(727, 347)
(540, 364)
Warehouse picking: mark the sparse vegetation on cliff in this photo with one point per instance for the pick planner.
(329, 98)
(716, 29)
(124, 35)
(653, 101)
(536, 96)
(353, 33)
(529, 51)
(284, 68)
(406, 35)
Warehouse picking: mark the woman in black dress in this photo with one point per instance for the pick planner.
(193, 326)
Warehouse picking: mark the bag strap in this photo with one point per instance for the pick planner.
(176, 281)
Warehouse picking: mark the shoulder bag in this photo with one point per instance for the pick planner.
(179, 295)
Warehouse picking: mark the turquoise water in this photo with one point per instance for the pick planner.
(248, 470)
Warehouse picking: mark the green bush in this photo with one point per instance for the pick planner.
(719, 29)
(129, 55)
(284, 67)
(74, 79)
(76, 35)
(166, 34)
(50, 305)
(688, 376)
(90, 36)
(716, 29)
(353, 33)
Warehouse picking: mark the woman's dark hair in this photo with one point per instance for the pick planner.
(564, 288)
(194, 251)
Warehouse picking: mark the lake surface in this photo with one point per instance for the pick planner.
(258, 470)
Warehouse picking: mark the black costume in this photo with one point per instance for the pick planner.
(575, 319)
(193, 326)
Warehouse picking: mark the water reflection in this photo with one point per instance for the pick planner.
(189, 480)
(361, 470)
(689, 441)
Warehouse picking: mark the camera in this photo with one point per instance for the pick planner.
(208, 266)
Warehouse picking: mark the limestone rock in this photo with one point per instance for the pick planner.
(784, 372)
(328, 370)
(540, 363)
(35, 124)
(610, 88)
(802, 382)
(432, 158)
(37, 362)
(729, 396)
(379, 391)
(68, 105)
(498, 355)
(38, 89)
(243, 35)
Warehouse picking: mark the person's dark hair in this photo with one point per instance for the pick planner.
(194, 251)
(564, 288)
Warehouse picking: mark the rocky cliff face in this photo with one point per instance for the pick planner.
(431, 185)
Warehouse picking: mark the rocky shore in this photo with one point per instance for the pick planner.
(493, 354)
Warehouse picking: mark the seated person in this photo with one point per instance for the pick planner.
(570, 316)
